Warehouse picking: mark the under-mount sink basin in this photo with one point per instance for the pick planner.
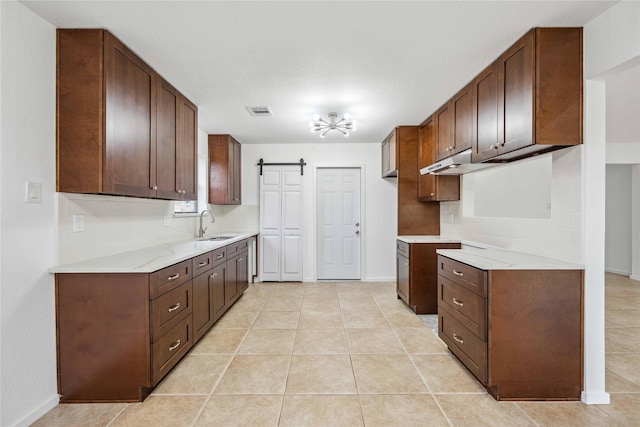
(217, 238)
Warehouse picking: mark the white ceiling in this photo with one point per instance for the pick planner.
(386, 63)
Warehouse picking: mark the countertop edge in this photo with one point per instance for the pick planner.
(502, 259)
(89, 266)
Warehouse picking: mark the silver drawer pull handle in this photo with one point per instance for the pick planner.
(458, 273)
(457, 338)
(174, 277)
(458, 302)
(219, 256)
(214, 275)
(174, 345)
(174, 307)
(202, 264)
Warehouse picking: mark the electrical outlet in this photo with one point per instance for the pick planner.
(167, 220)
(78, 223)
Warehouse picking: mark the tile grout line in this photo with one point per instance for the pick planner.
(224, 371)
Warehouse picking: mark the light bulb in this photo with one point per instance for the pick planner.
(346, 134)
(347, 116)
(310, 124)
(322, 135)
(316, 117)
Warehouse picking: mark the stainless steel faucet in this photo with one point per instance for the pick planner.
(213, 219)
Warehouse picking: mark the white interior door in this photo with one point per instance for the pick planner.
(338, 223)
(291, 197)
(280, 249)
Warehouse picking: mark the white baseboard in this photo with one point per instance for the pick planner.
(634, 277)
(615, 271)
(380, 279)
(595, 398)
(38, 413)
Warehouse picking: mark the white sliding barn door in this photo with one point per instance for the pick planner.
(280, 250)
(338, 223)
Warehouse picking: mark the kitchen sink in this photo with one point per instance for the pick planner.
(217, 238)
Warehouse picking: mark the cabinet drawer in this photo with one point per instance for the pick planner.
(403, 248)
(467, 307)
(170, 348)
(470, 349)
(219, 256)
(164, 280)
(232, 250)
(243, 245)
(202, 263)
(168, 309)
(464, 275)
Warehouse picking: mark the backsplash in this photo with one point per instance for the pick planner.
(557, 237)
(118, 224)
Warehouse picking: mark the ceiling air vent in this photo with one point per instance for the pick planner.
(260, 111)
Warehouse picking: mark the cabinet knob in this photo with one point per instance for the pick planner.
(492, 146)
(433, 194)
(154, 188)
(184, 191)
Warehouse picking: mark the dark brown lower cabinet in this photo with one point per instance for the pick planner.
(519, 332)
(417, 274)
(119, 334)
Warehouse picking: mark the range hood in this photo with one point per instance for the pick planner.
(457, 164)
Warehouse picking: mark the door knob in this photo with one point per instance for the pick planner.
(357, 224)
(357, 232)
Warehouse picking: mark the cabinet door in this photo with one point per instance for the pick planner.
(202, 309)
(485, 114)
(402, 277)
(217, 279)
(236, 172)
(389, 150)
(426, 156)
(462, 105)
(515, 95)
(385, 158)
(242, 271)
(166, 143)
(130, 122)
(187, 150)
(443, 120)
(231, 281)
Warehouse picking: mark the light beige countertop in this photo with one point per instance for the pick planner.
(427, 239)
(148, 260)
(501, 259)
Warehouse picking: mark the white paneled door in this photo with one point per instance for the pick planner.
(338, 223)
(280, 249)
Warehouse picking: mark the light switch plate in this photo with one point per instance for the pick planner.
(34, 192)
(78, 223)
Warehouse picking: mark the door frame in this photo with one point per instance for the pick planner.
(363, 223)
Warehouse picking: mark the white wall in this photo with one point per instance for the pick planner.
(558, 236)
(611, 43)
(618, 220)
(27, 153)
(379, 211)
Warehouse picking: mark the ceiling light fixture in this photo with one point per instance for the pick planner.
(344, 125)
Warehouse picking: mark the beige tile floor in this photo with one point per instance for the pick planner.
(351, 354)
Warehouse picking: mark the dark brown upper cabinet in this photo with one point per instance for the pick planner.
(433, 188)
(117, 121)
(453, 124)
(389, 156)
(224, 170)
(538, 97)
(443, 131)
(485, 114)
